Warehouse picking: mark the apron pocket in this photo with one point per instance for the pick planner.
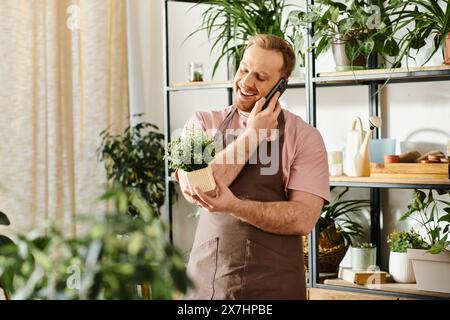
(202, 269)
(269, 274)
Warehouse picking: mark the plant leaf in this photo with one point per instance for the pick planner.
(4, 219)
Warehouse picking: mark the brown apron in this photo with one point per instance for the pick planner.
(231, 259)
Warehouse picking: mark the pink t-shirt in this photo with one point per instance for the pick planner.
(304, 157)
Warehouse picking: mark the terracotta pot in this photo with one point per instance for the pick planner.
(447, 49)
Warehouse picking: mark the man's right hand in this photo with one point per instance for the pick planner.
(266, 119)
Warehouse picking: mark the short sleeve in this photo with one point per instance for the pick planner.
(309, 169)
(194, 123)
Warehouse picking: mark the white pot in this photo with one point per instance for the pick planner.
(432, 271)
(400, 267)
(363, 258)
(202, 178)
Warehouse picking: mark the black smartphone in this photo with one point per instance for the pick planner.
(280, 86)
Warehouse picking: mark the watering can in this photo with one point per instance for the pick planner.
(356, 158)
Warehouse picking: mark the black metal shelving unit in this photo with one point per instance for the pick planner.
(373, 80)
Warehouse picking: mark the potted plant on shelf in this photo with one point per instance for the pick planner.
(422, 19)
(190, 156)
(431, 264)
(364, 256)
(230, 23)
(400, 267)
(337, 231)
(353, 29)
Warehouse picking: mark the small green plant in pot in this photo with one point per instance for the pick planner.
(432, 263)
(190, 156)
(364, 256)
(400, 267)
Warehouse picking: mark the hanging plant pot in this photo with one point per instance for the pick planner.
(342, 61)
(447, 50)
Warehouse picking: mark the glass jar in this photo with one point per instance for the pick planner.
(195, 72)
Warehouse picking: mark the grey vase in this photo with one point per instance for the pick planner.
(341, 60)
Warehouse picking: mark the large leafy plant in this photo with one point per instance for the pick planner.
(191, 152)
(363, 26)
(424, 209)
(135, 159)
(421, 19)
(335, 216)
(100, 264)
(230, 23)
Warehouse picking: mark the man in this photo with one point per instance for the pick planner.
(247, 244)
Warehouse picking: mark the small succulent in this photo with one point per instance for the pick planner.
(364, 245)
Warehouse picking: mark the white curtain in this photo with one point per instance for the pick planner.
(63, 79)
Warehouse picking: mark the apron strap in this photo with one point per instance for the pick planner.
(224, 125)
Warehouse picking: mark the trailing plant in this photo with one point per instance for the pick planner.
(401, 241)
(191, 152)
(363, 26)
(230, 23)
(421, 19)
(135, 159)
(99, 264)
(424, 210)
(335, 217)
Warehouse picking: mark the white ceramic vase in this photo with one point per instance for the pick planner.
(400, 267)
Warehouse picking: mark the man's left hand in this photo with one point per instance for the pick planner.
(223, 201)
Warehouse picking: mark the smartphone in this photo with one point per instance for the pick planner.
(280, 86)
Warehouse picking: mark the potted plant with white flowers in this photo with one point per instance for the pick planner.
(190, 156)
(400, 267)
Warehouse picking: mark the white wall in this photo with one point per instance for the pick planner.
(419, 112)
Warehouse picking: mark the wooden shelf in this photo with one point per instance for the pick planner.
(371, 182)
(294, 82)
(401, 288)
(412, 74)
(182, 86)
